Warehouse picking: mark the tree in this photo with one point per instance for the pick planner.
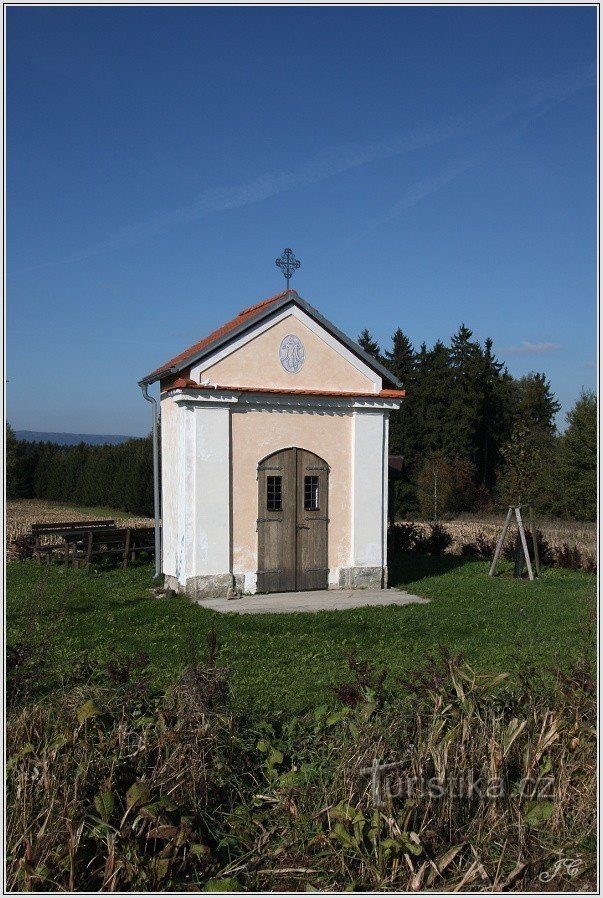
(369, 344)
(403, 435)
(433, 396)
(12, 464)
(465, 400)
(523, 460)
(537, 405)
(434, 486)
(496, 416)
(401, 359)
(578, 459)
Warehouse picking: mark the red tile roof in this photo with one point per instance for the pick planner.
(241, 318)
(187, 383)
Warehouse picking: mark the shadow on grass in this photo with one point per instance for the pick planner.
(405, 568)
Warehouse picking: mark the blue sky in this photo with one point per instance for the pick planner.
(429, 166)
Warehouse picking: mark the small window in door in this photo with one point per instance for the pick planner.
(274, 501)
(311, 493)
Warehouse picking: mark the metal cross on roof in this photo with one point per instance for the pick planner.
(287, 264)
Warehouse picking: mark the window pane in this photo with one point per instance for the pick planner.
(274, 493)
(311, 493)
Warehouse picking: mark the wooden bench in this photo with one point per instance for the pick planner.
(58, 531)
(126, 543)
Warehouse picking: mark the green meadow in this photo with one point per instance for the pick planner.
(289, 663)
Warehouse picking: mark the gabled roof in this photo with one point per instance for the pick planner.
(245, 321)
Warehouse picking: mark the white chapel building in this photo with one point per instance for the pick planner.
(274, 456)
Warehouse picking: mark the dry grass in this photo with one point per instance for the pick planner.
(112, 789)
(22, 513)
(555, 531)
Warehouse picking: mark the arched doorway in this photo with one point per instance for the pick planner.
(293, 518)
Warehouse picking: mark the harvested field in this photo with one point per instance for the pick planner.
(555, 531)
(22, 513)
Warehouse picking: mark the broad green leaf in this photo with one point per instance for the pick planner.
(86, 711)
(275, 757)
(337, 716)
(201, 851)
(104, 803)
(138, 793)
(161, 867)
(537, 812)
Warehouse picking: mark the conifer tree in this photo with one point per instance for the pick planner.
(369, 344)
(578, 460)
(462, 418)
(401, 361)
(537, 405)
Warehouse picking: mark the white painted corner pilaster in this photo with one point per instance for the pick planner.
(368, 479)
(210, 500)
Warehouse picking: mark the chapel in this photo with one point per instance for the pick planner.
(274, 456)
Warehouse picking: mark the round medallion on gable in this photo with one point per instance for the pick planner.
(291, 353)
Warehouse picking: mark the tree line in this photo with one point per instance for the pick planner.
(476, 439)
(112, 476)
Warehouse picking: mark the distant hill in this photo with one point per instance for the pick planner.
(71, 439)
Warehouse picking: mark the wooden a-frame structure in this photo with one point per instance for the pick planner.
(522, 547)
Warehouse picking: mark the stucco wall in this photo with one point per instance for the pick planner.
(169, 483)
(256, 434)
(257, 364)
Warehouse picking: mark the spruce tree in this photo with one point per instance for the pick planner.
(401, 361)
(578, 460)
(369, 344)
(465, 401)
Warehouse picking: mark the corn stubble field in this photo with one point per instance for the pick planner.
(21, 514)
(556, 532)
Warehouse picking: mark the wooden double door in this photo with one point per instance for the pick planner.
(293, 518)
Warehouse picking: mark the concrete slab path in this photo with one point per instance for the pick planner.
(317, 600)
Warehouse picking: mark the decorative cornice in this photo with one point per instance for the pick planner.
(281, 401)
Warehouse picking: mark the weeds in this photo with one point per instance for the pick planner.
(116, 789)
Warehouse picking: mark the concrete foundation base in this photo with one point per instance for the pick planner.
(209, 586)
(218, 586)
(362, 578)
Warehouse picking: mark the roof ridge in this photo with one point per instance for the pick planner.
(266, 302)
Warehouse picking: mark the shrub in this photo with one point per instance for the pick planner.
(22, 546)
(403, 537)
(590, 563)
(434, 543)
(482, 547)
(569, 557)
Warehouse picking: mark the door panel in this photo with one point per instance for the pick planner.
(293, 492)
(312, 521)
(276, 523)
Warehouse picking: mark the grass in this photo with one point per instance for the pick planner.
(283, 664)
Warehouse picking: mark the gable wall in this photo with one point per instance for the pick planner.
(257, 364)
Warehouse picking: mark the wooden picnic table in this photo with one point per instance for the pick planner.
(62, 531)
